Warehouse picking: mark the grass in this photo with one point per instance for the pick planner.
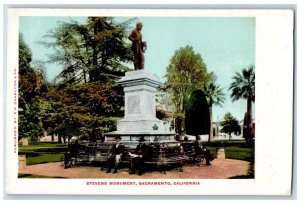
(43, 145)
(233, 149)
(36, 176)
(42, 152)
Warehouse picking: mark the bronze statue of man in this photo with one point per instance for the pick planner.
(138, 47)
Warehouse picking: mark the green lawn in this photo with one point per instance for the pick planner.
(42, 152)
(234, 149)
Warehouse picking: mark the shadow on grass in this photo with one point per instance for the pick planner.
(37, 176)
(43, 144)
(41, 152)
(242, 177)
(227, 143)
(52, 150)
(29, 154)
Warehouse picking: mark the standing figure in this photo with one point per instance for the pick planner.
(138, 47)
(115, 155)
(138, 159)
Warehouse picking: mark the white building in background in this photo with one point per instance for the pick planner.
(48, 138)
(221, 135)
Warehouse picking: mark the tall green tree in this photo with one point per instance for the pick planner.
(31, 88)
(87, 101)
(214, 96)
(90, 52)
(83, 110)
(230, 125)
(243, 86)
(186, 73)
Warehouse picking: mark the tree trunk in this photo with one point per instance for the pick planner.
(178, 127)
(211, 132)
(249, 119)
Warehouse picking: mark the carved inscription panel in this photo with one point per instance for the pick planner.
(133, 105)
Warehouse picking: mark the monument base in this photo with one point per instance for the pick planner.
(141, 125)
(140, 87)
(135, 136)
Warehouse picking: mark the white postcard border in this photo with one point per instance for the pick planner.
(274, 108)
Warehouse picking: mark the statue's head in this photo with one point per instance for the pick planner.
(139, 26)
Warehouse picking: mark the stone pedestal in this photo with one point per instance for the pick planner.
(140, 87)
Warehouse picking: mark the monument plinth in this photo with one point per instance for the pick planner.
(140, 87)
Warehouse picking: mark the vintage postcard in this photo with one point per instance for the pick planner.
(149, 102)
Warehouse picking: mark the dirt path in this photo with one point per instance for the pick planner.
(220, 169)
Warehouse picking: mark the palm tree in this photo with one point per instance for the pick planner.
(243, 86)
(214, 96)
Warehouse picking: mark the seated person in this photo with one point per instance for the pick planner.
(74, 149)
(207, 155)
(115, 155)
(138, 159)
(72, 152)
(198, 150)
(181, 151)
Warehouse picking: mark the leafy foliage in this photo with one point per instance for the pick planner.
(31, 87)
(230, 125)
(243, 86)
(25, 56)
(84, 110)
(214, 96)
(186, 73)
(90, 52)
(86, 102)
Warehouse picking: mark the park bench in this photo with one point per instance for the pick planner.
(85, 154)
(190, 156)
(164, 154)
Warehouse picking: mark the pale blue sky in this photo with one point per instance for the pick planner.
(226, 45)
